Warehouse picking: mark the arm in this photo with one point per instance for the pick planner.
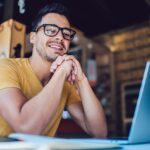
(89, 115)
(23, 115)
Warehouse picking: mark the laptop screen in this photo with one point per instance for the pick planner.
(140, 128)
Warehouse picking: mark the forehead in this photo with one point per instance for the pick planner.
(53, 18)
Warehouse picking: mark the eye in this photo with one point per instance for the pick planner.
(67, 33)
(50, 30)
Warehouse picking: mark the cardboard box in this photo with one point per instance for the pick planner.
(12, 39)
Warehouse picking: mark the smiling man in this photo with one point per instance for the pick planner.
(35, 91)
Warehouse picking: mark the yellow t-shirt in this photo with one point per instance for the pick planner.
(18, 73)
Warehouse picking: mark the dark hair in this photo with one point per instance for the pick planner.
(50, 8)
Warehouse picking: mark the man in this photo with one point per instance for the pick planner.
(34, 91)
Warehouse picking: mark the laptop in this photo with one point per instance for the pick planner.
(140, 127)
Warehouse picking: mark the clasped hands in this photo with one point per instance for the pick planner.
(70, 65)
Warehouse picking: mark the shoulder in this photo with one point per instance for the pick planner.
(10, 66)
(7, 66)
(11, 62)
(6, 63)
(9, 73)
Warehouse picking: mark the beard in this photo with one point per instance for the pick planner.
(46, 57)
(50, 57)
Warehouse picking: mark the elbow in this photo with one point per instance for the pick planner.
(27, 129)
(100, 133)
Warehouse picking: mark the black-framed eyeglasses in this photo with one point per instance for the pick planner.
(52, 30)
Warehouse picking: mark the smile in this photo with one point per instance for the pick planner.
(56, 47)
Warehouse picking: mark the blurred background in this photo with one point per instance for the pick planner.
(112, 44)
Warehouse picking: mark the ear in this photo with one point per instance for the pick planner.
(32, 37)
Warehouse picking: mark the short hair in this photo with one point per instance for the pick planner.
(50, 8)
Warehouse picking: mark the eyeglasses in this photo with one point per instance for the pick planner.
(52, 30)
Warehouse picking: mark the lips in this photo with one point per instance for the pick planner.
(57, 47)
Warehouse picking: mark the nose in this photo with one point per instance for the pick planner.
(59, 35)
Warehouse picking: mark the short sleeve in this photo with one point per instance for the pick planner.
(73, 95)
(8, 75)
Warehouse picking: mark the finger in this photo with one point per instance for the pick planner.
(53, 67)
(69, 57)
(69, 78)
(73, 77)
(76, 62)
(73, 74)
(60, 59)
(57, 63)
(75, 70)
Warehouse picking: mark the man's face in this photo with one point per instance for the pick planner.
(49, 48)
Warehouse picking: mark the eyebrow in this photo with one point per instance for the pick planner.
(56, 25)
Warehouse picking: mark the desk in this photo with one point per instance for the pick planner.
(75, 143)
(46, 146)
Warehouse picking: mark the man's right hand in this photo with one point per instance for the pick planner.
(67, 65)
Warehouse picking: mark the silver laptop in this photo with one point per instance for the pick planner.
(140, 128)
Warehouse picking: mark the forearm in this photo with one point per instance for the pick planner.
(41, 109)
(94, 117)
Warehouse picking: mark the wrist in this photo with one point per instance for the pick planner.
(82, 79)
(61, 73)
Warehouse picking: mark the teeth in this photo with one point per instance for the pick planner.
(54, 46)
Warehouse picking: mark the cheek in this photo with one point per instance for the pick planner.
(41, 41)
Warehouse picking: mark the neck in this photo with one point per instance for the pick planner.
(41, 68)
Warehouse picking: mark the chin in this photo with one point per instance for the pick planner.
(51, 59)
